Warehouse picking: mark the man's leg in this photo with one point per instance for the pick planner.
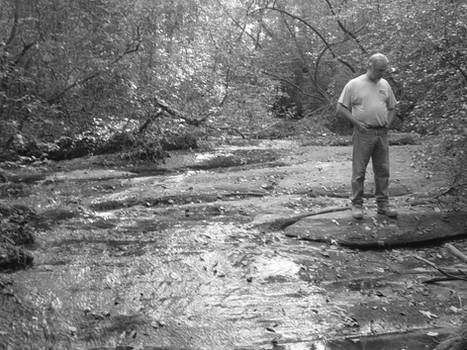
(380, 160)
(362, 150)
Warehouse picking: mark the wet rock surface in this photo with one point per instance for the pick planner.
(413, 227)
(177, 256)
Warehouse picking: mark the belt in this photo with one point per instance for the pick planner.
(375, 127)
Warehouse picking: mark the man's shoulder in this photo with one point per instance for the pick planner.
(384, 83)
(357, 80)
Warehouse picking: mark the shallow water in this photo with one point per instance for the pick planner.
(155, 259)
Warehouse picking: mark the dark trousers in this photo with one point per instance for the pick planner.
(373, 144)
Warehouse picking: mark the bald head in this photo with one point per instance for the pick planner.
(377, 57)
(377, 66)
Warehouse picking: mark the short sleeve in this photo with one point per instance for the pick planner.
(346, 96)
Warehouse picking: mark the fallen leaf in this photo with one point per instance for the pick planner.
(157, 324)
(428, 314)
(455, 309)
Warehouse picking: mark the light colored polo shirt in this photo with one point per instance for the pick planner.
(369, 101)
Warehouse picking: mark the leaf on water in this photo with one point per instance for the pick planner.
(157, 324)
(428, 314)
(455, 309)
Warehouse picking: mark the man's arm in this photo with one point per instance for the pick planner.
(344, 111)
(391, 115)
(391, 105)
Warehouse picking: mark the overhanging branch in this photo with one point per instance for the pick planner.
(314, 30)
(12, 35)
(130, 48)
(344, 29)
(294, 85)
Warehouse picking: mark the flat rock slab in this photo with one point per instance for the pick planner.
(89, 174)
(416, 339)
(343, 191)
(415, 226)
(151, 197)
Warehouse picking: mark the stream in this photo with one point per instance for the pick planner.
(171, 256)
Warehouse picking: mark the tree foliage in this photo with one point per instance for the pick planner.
(107, 66)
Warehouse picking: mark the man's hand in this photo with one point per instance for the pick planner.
(344, 111)
(360, 125)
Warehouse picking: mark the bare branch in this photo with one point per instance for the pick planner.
(282, 223)
(170, 111)
(344, 29)
(318, 61)
(239, 25)
(294, 36)
(266, 29)
(226, 86)
(148, 122)
(226, 128)
(294, 85)
(320, 36)
(25, 49)
(313, 78)
(131, 48)
(445, 273)
(12, 35)
(456, 252)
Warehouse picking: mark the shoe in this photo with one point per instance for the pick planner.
(389, 212)
(357, 212)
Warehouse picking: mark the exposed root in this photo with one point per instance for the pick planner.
(456, 252)
(461, 276)
(282, 223)
(455, 342)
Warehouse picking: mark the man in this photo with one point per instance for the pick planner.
(368, 102)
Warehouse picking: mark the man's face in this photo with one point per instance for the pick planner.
(377, 69)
